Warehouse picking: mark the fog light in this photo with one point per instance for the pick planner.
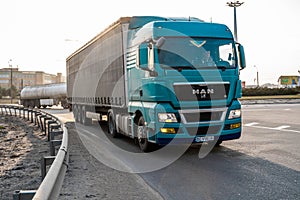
(168, 130)
(234, 126)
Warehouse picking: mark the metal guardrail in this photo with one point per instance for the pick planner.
(53, 180)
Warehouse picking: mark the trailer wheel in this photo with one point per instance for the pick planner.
(26, 104)
(85, 121)
(142, 139)
(112, 124)
(79, 116)
(76, 113)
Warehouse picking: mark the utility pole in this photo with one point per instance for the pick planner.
(11, 80)
(235, 4)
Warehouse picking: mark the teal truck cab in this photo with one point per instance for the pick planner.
(179, 83)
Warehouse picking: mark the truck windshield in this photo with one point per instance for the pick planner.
(195, 52)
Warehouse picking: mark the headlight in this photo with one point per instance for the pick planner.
(234, 114)
(167, 117)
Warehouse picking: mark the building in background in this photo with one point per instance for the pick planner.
(21, 79)
(289, 81)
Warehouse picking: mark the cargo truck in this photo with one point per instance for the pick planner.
(160, 80)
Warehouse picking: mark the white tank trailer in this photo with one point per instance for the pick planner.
(44, 95)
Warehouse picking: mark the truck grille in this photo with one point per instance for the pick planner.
(201, 91)
(214, 115)
(203, 116)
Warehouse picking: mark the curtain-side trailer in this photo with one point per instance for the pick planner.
(159, 80)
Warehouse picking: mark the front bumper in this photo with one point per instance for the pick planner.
(188, 131)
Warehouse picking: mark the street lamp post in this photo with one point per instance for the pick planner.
(257, 80)
(235, 4)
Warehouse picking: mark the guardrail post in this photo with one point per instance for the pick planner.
(45, 123)
(15, 111)
(49, 126)
(31, 116)
(23, 194)
(58, 126)
(29, 110)
(24, 116)
(36, 117)
(47, 160)
(52, 134)
(53, 144)
(36, 121)
(41, 121)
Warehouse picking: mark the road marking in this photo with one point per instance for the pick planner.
(256, 109)
(279, 128)
(251, 124)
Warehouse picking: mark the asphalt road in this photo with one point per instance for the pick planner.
(263, 164)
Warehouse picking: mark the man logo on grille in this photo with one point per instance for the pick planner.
(203, 92)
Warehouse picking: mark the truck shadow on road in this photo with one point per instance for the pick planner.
(223, 174)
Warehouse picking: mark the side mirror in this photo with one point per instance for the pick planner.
(142, 56)
(160, 42)
(242, 58)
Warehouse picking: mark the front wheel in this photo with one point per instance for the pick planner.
(142, 138)
(219, 142)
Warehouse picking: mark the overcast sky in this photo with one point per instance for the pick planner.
(40, 34)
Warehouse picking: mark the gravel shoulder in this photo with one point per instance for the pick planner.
(22, 145)
(87, 178)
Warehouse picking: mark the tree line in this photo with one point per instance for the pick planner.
(6, 92)
(268, 91)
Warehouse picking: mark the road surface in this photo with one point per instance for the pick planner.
(263, 164)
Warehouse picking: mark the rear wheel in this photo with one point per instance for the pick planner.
(76, 113)
(86, 121)
(112, 124)
(142, 138)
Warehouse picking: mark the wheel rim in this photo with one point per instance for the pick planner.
(110, 124)
(141, 135)
(83, 115)
(79, 114)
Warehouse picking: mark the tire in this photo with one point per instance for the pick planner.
(218, 143)
(79, 113)
(26, 104)
(75, 113)
(84, 120)
(141, 134)
(112, 124)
